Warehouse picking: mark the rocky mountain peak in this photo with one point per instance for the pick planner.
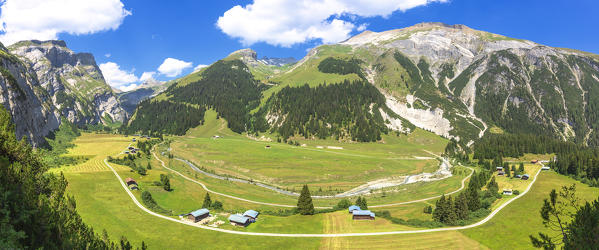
(244, 54)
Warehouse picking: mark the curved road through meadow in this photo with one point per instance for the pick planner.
(485, 220)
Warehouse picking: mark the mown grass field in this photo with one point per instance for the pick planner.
(329, 165)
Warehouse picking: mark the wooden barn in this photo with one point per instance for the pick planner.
(353, 208)
(130, 181)
(251, 214)
(362, 215)
(198, 215)
(239, 220)
(525, 177)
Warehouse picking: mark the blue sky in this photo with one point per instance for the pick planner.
(136, 36)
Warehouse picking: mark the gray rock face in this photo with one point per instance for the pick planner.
(43, 82)
(29, 105)
(73, 80)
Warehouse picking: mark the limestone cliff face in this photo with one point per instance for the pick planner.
(73, 80)
(30, 105)
(43, 82)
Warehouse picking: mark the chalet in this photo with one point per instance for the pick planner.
(534, 161)
(130, 181)
(507, 192)
(545, 168)
(525, 177)
(500, 173)
(499, 169)
(239, 220)
(198, 215)
(251, 214)
(362, 215)
(353, 208)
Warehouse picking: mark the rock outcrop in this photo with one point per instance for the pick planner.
(43, 82)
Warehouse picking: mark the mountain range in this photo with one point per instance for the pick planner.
(452, 80)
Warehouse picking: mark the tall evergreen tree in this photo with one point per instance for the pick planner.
(461, 206)
(207, 201)
(304, 202)
(473, 199)
(492, 186)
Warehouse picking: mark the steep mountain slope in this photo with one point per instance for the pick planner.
(29, 104)
(458, 82)
(73, 80)
(449, 79)
(43, 82)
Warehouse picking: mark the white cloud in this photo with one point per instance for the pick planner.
(172, 67)
(201, 66)
(287, 22)
(147, 76)
(116, 77)
(46, 19)
(128, 87)
(107, 55)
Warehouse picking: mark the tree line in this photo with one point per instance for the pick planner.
(341, 66)
(36, 212)
(346, 110)
(152, 117)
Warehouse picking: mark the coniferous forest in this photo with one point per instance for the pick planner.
(35, 211)
(343, 110)
(165, 117)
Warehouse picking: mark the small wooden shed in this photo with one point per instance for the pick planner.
(198, 215)
(362, 215)
(251, 214)
(130, 181)
(239, 220)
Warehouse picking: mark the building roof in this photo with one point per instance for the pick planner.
(363, 212)
(129, 179)
(238, 218)
(507, 190)
(353, 207)
(199, 212)
(526, 175)
(251, 213)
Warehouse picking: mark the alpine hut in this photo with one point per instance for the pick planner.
(198, 215)
(239, 220)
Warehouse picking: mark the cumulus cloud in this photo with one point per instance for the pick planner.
(201, 66)
(116, 77)
(172, 67)
(287, 22)
(46, 19)
(145, 76)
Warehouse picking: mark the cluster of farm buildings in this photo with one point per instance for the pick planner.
(359, 214)
(242, 220)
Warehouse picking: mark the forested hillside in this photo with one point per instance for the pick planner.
(35, 211)
(348, 110)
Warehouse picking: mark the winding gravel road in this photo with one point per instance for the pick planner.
(485, 220)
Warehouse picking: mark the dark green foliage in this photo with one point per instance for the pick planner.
(58, 142)
(428, 209)
(573, 230)
(341, 66)
(165, 182)
(165, 117)
(148, 200)
(583, 231)
(304, 202)
(571, 159)
(361, 202)
(227, 87)
(334, 110)
(445, 211)
(492, 186)
(217, 205)
(207, 201)
(345, 203)
(35, 212)
(461, 207)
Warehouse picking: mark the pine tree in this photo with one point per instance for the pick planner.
(492, 186)
(473, 199)
(521, 168)
(461, 207)
(207, 201)
(149, 166)
(364, 204)
(450, 214)
(304, 202)
(439, 209)
(359, 201)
